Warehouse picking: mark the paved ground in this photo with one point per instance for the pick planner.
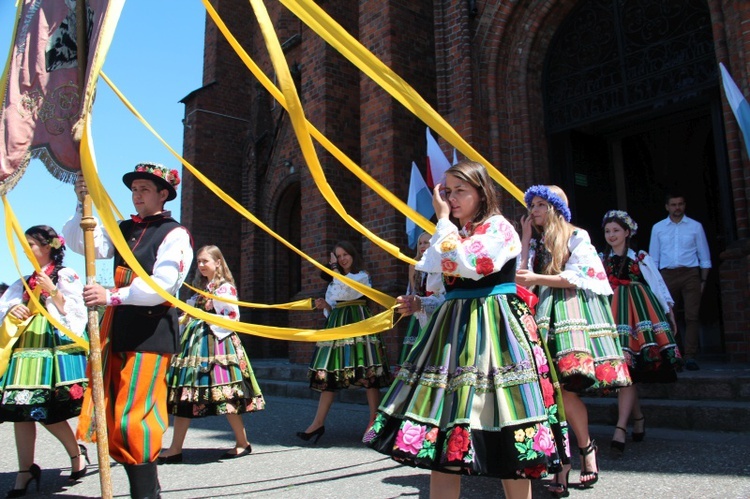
(668, 464)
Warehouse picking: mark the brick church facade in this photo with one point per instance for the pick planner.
(616, 101)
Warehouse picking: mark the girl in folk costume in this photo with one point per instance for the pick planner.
(426, 301)
(475, 394)
(359, 361)
(212, 374)
(45, 378)
(573, 314)
(642, 308)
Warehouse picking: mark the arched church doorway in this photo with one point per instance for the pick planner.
(633, 110)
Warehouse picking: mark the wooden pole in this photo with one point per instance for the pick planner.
(88, 224)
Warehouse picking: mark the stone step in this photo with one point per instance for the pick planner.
(716, 398)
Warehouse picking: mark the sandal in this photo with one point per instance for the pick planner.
(616, 444)
(588, 477)
(638, 436)
(561, 489)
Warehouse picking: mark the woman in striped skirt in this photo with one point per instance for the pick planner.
(45, 378)
(475, 395)
(642, 308)
(339, 364)
(211, 375)
(573, 315)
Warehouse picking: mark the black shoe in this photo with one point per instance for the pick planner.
(588, 477)
(36, 475)
(317, 434)
(76, 475)
(692, 365)
(638, 436)
(616, 444)
(144, 480)
(561, 489)
(231, 455)
(173, 459)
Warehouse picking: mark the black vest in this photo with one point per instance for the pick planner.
(141, 328)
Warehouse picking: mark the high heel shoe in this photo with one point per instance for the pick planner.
(561, 489)
(593, 476)
(638, 436)
(36, 475)
(76, 475)
(617, 445)
(316, 433)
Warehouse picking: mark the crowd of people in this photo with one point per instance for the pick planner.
(509, 325)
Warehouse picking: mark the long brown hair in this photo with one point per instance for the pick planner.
(557, 232)
(475, 174)
(222, 275)
(357, 262)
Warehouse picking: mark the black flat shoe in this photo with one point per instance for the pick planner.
(617, 445)
(173, 459)
(36, 476)
(231, 455)
(639, 436)
(77, 475)
(317, 434)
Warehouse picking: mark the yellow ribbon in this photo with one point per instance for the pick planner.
(375, 324)
(305, 304)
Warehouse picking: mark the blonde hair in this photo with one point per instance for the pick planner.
(557, 232)
(222, 274)
(425, 233)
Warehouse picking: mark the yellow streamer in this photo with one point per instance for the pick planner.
(305, 304)
(375, 295)
(328, 29)
(12, 225)
(375, 324)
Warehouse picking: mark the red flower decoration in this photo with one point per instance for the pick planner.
(449, 266)
(485, 265)
(76, 391)
(606, 373)
(548, 392)
(568, 363)
(458, 444)
(590, 272)
(482, 229)
(535, 472)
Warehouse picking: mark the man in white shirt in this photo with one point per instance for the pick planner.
(680, 250)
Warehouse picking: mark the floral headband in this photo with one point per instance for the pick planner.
(57, 242)
(171, 176)
(623, 217)
(553, 199)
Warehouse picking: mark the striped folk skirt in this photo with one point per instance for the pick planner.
(358, 361)
(412, 332)
(646, 337)
(46, 376)
(475, 395)
(582, 337)
(210, 376)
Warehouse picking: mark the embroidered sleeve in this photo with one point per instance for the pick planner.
(13, 296)
(73, 234)
(229, 311)
(584, 269)
(492, 245)
(655, 281)
(71, 286)
(432, 301)
(173, 260)
(338, 291)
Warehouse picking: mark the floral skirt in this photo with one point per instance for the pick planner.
(358, 361)
(46, 376)
(582, 337)
(475, 395)
(646, 338)
(210, 376)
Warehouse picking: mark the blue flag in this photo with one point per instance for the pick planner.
(420, 200)
(738, 103)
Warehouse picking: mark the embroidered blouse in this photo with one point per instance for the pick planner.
(71, 287)
(173, 260)
(583, 269)
(229, 311)
(638, 268)
(337, 291)
(453, 253)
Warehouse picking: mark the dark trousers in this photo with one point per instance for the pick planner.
(684, 285)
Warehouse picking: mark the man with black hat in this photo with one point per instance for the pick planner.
(139, 330)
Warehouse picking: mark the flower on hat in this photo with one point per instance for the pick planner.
(623, 217)
(171, 176)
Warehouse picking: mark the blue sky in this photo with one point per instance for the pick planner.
(156, 59)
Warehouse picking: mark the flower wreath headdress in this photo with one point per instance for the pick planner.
(171, 176)
(553, 199)
(623, 217)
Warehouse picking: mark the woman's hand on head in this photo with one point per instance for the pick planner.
(442, 208)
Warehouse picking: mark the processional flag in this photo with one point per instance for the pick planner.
(437, 163)
(420, 200)
(738, 103)
(42, 97)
